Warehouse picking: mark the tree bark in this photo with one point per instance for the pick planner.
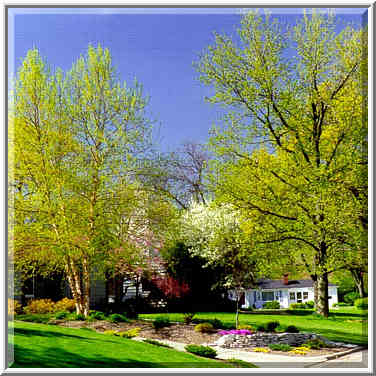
(86, 287)
(315, 290)
(237, 309)
(322, 295)
(357, 275)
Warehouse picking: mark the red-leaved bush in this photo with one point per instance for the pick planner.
(170, 287)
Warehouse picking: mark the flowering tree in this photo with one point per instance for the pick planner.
(218, 234)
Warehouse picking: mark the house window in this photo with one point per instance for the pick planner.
(278, 295)
(292, 295)
(267, 296)
(305, 295)
(299, 297)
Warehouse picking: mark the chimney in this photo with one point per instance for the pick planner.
(286, 279)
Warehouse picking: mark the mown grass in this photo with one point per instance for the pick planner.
(47, 346)
(345, 324)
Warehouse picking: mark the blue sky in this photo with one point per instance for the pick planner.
(157, 46)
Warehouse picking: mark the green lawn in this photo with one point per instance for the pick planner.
(345, 324)
(45, 346)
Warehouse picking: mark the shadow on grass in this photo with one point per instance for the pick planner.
(349, 315)
(54, 357)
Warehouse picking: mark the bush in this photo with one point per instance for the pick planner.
(61, 315)
(188, 317)
(280, 347)
(39, 306)
(14, 307)
(351, 297)
(116, 317)
(161, 322)
(300, 306)
(248, 309)
(292, 329)
(261, 328)
(271, 326)
(361, 303)
(245, 326)
(65, 304)
(315, 344)
(310, 304)
(156, 343)
(110, 332)
(97, 315)
(134, 332)
(35, 317)
(200, 350)
(272, 305)
(205, 327)
(76, 317)
(342, 304)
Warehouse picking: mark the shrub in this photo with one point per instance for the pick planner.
(188, 317)
(76, 317)
(271, 326)
(14, 307)
(248, 309)
(35, 317)
(217, 324)
(134, 332)
(272, 305)
(110, 332)
(65, 304)
(261, 328)
(343, 304)
(156, 343)
(292, 329)
(310, 304)
(245, 326)
(61, 315)
(39, 306)
(97, 315)
(161, 322)
(361, 303)
(205, 327)
(315, 344)
(205, 351)
(280, 347)
(260, 349)
(351, 297)
(298, 306)
(116, 317)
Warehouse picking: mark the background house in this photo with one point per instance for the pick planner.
(285, 291)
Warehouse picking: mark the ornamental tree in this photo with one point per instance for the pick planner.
(291, 150)
(75, 139)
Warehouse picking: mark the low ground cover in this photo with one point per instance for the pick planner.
(49, 346)
(345, 324)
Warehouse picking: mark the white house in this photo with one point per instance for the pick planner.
(284, 291)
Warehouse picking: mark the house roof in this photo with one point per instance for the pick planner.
(278, 283)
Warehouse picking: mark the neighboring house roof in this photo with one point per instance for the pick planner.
(278, 284)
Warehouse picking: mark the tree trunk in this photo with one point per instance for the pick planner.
(86, 287)
(357, 275)
(322, 295)
(315, 290)
(237, 310)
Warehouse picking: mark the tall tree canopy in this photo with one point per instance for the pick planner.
(292, 149)
(76, 139)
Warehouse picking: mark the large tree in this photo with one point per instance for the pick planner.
(76, 138)
(292, 145)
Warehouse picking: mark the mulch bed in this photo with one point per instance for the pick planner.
(178, 333)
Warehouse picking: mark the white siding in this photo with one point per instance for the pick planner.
(334, 295)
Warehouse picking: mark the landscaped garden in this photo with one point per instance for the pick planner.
(44, 346)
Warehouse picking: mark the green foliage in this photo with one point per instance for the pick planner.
(351, 297)
(156, 343)
(110, 332)
(76, 317)
(241, 363)
(134, 332)
(280, 347)
(315, 344)
(161, 322)
(204, 351)
(272, 305)
(361, 303)
(342, 304)
(271, 326)
(292, 329)
(116, 317)
(97, 315)
(306, 305)
(188, 317)
(61, 315)
(34, 317)
(261, 328)
(310, 304)
(245, 326)
(204, 327)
